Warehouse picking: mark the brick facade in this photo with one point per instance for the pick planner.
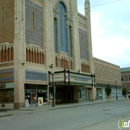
(125, 78)
(7, 31)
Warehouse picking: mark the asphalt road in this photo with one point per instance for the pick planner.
(90, 117)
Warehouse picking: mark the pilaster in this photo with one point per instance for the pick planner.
(75, 36)
(19, 53)
(89, 39)
(48, 32)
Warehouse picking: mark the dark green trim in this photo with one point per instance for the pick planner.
(104, 85)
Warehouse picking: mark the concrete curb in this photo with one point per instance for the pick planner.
(5, 115)
(94, 103)
(2, 114)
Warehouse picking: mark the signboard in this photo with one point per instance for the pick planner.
(80, 79)
(71, 77)
(40, 101)
(57, 77)
(34, 75)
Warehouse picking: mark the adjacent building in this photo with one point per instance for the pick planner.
(107, 73)
(125, 78)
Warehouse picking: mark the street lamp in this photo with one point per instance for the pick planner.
(116, 89)
(53, 103)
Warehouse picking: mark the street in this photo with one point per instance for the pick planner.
(103, 116)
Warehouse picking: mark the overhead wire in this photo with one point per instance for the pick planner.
(103, 4)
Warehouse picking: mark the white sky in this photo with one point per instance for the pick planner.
(110, 25)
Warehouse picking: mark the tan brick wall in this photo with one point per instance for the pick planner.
(106, 72)
(7, 32)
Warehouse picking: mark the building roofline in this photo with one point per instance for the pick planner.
(106, 62)
(81, 15)
(125, 69)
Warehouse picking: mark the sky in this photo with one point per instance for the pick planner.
(110, 26)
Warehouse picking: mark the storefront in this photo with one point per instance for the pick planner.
(86, 93)
(101, 94)
(7, 88)
(6, 93)
(35, 94)
(35, 88)
(116, 90)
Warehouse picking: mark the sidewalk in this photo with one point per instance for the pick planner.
(30, 110)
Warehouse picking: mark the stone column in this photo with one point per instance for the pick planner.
(68, 43)
(48, 35)
(19, 53)
(89, 39)
(75, 36)
(58, 46)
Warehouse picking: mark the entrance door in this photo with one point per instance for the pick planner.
(88, 95)
(42, 97)
(69, 93)
(84, 94)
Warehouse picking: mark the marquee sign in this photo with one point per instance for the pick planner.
(68, 77)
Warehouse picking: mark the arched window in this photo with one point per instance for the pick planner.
(62, 27)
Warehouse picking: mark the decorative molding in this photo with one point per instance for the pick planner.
(6, 75)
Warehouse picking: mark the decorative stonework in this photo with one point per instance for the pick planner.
(34, 54)
(83, 44)
(34, 75)
(34, 18)
(6, 52)
(6, 75)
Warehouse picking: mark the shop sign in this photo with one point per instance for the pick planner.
(80, 79)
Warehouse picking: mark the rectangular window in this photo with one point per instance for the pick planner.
(70, 38)
(55, 36)
(3, 17)
(33, 21)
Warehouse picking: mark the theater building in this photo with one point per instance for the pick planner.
(45, 44)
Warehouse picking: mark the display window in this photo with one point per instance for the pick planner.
(35, 95)
(7, 96)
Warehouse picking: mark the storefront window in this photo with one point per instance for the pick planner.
(50, 93)
(7, 96)
(35, 94)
